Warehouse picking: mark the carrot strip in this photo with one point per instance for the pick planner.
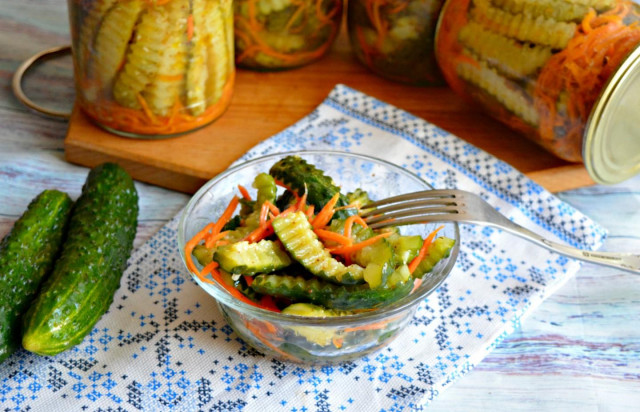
(416, 284)
(190, 27)
(264, 213)
(326, 213)
(345, 250)
(333, 236)
(217, 276)
(370, 326)
(302, 202)
(244, 192)
(212, 239)
(348, 224)
(260, 233)
(258, 334)
(226, 215)
(423, 250)
(206, 270)
(248, 279)
(145, 108)
(309, 212)
(285, 186)
(289, 59)
(191, 244)
(170, 77)
(266, 301)
(349, 206)
(272, 208)
(337, 341)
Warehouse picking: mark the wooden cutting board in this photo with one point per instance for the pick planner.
(265, 103)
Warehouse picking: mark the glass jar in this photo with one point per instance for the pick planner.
(555, 70)
(283, 34)
(150, 69)
(395, 38)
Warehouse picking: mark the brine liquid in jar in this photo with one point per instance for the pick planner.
(283, 34)
(152, 69)
(395, 38)
(539, 66)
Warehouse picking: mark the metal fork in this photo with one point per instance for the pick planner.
(466, 207)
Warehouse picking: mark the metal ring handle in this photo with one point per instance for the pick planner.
(16, 83)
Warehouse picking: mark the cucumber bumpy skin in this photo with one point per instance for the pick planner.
(301, 176)
(27, 255)
(297, 236)
(327, 294)
(84, 279)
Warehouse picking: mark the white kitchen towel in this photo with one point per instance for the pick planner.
(163, 345)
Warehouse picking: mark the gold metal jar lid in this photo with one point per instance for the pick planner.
(611, 148)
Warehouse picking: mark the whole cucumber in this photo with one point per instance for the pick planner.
(27, 255)
(87, 274)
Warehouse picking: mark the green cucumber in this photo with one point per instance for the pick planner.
(250, 258)
(313, 311)
(203, 254)
(327, 294)
(87, 274)
(405, 247)
(377, 259)
(303, 177)
(297, 236)
(266, 186)
(320, 335)
(358, 198)
(438, 250)
(27, 255)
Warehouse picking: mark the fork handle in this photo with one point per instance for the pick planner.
(626, 261)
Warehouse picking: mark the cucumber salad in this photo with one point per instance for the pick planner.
(300, 247)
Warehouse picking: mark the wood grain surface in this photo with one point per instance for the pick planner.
(265, 103)
(579, 351)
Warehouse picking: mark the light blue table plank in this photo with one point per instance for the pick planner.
(580, 350)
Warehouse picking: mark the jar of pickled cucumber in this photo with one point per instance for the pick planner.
(565, 73)
(283, 34)
(152, 68)
(395, 38)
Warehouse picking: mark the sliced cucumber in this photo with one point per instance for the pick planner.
(250, 258)
(266, 186)
(320, 335)
(405, 247)
(378, 259)
(297, 236)
(303, 177)
(314, 311)
(438, 250)
(327, 294)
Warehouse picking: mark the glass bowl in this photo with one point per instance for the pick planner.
(309, 339)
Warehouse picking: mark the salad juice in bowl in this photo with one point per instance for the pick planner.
(278, 242)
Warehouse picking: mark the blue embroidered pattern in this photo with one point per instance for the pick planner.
(163, 345)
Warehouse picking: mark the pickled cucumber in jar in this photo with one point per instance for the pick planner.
(538, 66)
(395, 38)
(283, 34)
(157, 68)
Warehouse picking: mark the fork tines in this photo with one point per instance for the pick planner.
(418, 207)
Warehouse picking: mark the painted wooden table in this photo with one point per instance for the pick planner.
(580, 350)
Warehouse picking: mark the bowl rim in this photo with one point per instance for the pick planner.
(224, 298)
